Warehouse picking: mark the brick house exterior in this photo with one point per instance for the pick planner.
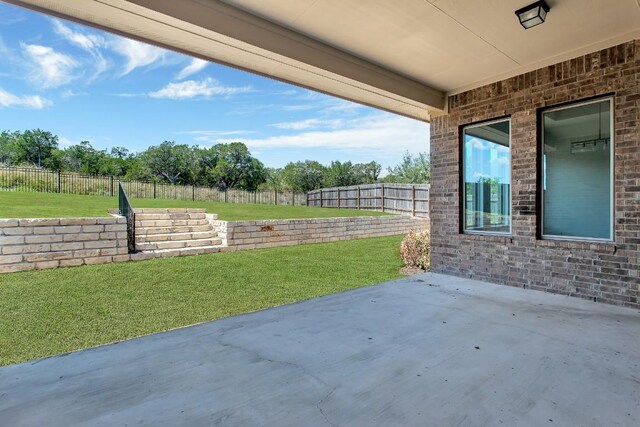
(606, 272)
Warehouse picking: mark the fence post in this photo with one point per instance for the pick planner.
(154, 189)
(111, 186)
(226, 191)
(59, 181)
(413, 201)
(276, 196)
(382, 198)
(338, 198)
(307, 198)
(358, 197)
(321, 197)
(193, 192)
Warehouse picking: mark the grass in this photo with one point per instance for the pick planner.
(52, 205)
(49, 312)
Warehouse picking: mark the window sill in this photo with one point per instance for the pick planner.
(495, 238)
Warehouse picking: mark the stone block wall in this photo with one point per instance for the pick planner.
(33, 244)
(239, 235)
(607, 272)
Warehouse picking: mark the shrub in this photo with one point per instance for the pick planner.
(415, 249)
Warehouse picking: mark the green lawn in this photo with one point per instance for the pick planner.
(49, 312)
(51, 205)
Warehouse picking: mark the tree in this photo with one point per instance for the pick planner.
(274, 179)
(340, 174)
(171, 162)
(366, 173)
(8, 149)
(121, 161)
(83, 158)
(412, 170)
(304, 176)
(232, 166)
(35, 146)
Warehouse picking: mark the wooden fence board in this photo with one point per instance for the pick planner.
(408, 199)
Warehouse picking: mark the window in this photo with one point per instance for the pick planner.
(486, 177)
(577, 172)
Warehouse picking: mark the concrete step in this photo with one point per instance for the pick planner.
(169, 216)
(142, 231)
(149, 238)
(178, 244)
(170, 223)
(168, 210)
(185, 251)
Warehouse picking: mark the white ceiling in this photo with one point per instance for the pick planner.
(452, 45)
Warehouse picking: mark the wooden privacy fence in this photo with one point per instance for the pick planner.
(43, 180)
(407, 199)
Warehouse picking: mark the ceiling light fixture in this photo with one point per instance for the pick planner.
(533, 15)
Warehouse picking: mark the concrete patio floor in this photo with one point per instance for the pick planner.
(429, 350)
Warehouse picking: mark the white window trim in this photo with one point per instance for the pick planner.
(611, 239)
(462, 165)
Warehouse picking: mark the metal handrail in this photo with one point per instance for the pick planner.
(126, 210)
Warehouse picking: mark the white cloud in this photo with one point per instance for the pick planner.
(8, 99)
(70, 93)
(192, 89)
(299, 107)
(195, 66)
(373, 133)
(48, 67)
(65, 142)
(500, 160)
(478, 144)
(309, 124)
(137, 54)
(289, 92)
(84, 41)
(210, 135)
(88, 42)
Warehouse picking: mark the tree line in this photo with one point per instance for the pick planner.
(223, 166)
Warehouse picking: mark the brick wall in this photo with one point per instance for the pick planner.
(607, 272)
(239, 235)
(30, 244)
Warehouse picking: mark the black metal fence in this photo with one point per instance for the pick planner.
(32, 179)
(127, 211)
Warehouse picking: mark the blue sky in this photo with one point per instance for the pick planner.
(85, 84)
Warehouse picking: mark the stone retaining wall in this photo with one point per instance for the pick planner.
(34, 244)
(30, 244)
(239, 235)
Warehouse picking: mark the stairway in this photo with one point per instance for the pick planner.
(171, 232)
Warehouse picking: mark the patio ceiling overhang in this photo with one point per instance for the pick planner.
(405, 57)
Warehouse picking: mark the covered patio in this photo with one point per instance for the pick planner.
(426, 350)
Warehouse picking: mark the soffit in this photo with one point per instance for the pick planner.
(454, 45)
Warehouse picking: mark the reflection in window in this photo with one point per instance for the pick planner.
(577, 171)
(487, 178)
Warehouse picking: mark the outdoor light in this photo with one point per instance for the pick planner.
(533, 15)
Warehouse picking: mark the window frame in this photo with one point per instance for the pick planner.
(462, 189)
(541, 169)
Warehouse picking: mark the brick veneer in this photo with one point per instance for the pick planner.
(606, 272)
(34, 244)
(240, 235)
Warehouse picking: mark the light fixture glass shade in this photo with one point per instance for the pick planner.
(533, 15)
